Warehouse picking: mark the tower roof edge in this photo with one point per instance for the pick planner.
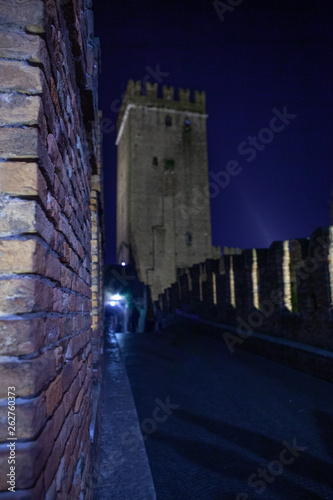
(149, 94)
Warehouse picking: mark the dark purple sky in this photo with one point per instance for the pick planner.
(263, 55)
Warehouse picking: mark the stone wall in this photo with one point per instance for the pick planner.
(284, 291)
(163, 217)
(50, 246)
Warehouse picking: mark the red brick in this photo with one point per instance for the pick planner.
(49, 238)
(53, 395)
(75, 344)
(69, 372)
(71, 393)
(58, 419)
(37, 491)
(30, 459)
(65, 431)
(30, 418)
(27, 376)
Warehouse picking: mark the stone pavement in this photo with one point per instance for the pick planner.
(213, 422)
(124, 472)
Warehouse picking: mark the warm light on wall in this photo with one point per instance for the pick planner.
(214, 289)
(255, 279)
(286, 276)
(232, 283)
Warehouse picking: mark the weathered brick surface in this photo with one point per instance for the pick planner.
(19, 109)
(30, 417)
(28, 256)
(27, 376)
(22, 179)
(19, 335)
(21, 46)
(19, 143)
(18, 13)
(17, 76)
(50, 243)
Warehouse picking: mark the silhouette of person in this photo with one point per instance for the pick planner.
(135, 319)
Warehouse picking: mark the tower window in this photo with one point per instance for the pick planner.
(188, 238)
(155, 161)
(169, 165)
(168, 121)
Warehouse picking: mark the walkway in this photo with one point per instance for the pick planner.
(219, 426)
(124, 472)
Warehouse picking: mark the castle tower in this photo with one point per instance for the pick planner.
(163, 210)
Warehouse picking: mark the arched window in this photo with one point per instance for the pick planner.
(168, 121)
(155, 161)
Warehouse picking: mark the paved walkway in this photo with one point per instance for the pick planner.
(124, 472)
(218, 426)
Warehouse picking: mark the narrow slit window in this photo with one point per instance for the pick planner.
(187, 125)
(188, 238)
(168, 121)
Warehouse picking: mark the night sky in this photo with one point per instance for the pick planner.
(264, 55)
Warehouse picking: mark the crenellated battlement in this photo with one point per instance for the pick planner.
(168, 93)
(147, 94)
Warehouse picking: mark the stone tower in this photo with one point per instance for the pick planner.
(163, 210)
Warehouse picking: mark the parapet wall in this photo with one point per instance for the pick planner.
(50, 245)
(284, 291)
(147, 94)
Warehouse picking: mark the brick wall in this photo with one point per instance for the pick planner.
(285, 291)
(51, 244)
(96, 208)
